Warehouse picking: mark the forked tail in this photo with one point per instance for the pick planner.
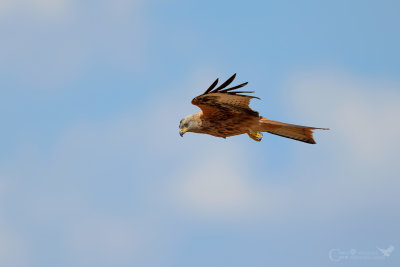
(296, 132)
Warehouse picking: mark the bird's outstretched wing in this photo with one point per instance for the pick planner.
(222, 102)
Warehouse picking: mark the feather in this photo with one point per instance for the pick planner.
(225, 101)
(211, 86)
(240, 92)
(233, 88)
(244, 95)
(229, 91)
(226, 83)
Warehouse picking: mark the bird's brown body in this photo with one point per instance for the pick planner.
(225, 113)
(226, 127)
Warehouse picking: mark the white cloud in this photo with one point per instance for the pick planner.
(107, 241)
(354, 165)
(47, 44)
(61, 9)
(362, 113)
(51, 8)
(12, 248)
(45, 9)
(215, 185)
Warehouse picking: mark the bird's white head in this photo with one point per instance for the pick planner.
(189, 124)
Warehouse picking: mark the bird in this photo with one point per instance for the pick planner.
(225, 112)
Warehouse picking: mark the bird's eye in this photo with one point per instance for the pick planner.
(186, 125)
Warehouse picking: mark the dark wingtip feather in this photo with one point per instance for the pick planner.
(228, 90)
(233, 88)
(226, 83)
(241, 92)
(211, 86)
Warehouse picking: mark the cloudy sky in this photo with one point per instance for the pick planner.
(93, 171)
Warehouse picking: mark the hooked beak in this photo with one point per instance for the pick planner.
(182, 131)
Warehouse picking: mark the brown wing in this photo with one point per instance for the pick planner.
(224, 103)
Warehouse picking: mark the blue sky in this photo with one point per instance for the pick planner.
(93, 171)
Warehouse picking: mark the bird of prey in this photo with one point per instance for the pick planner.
(225, 112)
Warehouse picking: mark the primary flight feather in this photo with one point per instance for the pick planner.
(225, 112)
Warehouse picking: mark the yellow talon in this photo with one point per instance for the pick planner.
(256, 136)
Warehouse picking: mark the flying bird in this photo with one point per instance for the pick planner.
(225, 112)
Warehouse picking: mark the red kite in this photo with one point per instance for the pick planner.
(226, 112)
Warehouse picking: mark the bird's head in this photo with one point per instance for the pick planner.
(188, 124)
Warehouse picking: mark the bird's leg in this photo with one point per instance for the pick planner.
(256, 136)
